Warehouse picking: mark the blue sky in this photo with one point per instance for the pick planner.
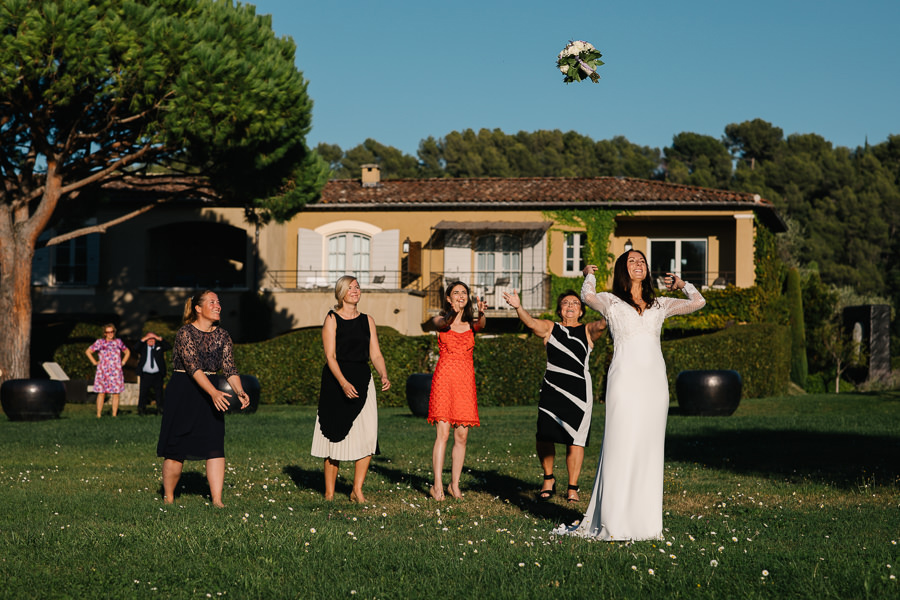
(399, 71)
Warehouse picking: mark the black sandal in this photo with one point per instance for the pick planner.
(572, 488)
(547, 494)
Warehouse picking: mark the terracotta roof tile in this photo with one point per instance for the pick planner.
(537, 193)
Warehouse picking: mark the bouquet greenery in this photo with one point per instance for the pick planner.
(579, 60)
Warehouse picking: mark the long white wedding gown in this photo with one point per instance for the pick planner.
(626, 502)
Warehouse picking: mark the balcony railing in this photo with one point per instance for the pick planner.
(701, 279)
(533, 288)
(324, 280)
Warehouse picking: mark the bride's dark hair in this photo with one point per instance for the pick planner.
(622, 281)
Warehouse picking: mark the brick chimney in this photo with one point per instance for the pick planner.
(371, 175)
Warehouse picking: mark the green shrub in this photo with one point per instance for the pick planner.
(70, 355)
(815, 384)
(289, 367)
(760, 353)
(799, 365)
(508, 368)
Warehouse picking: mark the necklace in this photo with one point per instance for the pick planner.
(208, 329)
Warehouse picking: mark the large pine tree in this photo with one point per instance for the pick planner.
(93, 89)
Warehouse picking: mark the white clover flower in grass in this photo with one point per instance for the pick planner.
(714, 563)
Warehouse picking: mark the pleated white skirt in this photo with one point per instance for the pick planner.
(362, 439)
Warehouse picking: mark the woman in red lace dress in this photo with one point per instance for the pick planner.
(453, 403)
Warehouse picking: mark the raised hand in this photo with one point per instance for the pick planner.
(512, 298)
(673, 282)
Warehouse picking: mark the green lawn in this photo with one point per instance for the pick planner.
(790, 497)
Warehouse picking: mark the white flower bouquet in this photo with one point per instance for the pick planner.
(579, 60)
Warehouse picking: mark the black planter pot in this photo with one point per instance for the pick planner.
(708, 393)
(250, 385)
(418, 390)
(32, 399)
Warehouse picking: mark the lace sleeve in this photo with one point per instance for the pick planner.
(678, 306)
(589, 295)
(228, 366)
(186, 349)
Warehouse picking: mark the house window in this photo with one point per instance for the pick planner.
(684, 257)
(574, 261)
(70, 262)
(498, 261)
(349, 253)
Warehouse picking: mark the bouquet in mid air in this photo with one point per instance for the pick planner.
(579, 60)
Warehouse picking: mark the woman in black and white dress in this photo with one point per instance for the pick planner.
(347, 420)
(567, 400)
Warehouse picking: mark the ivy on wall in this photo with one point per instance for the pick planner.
(598, 224)
(770, 275)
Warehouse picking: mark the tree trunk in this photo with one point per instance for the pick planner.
(21, 222)
(15, 307)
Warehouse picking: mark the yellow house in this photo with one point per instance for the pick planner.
(403, 239)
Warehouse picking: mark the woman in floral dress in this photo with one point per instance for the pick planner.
(109, 378)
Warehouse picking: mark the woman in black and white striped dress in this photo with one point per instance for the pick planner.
(567, 400)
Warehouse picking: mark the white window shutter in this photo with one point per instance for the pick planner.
(385, 252)
(457, 254)
(309, 251)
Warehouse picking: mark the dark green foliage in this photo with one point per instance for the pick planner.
(754, 141)
(493, 153)
(770, 273)
(70, 355)
(200, 84)
(760, 353)
(93, 90)
(392, 163)
(508, 368)
(696, 159)
(799, 365)
(599, 225)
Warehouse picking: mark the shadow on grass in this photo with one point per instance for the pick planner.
(191, 483)
(511, 490)
(523, 494)
(305, 479)
(842, 460)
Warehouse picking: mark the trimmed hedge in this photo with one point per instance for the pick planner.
(70, 355)
(760, 353)
(508, 368)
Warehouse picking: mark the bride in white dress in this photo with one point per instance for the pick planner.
(626, 502)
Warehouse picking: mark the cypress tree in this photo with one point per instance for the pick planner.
(799, 365)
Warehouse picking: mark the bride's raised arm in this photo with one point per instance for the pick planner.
(589, 295)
